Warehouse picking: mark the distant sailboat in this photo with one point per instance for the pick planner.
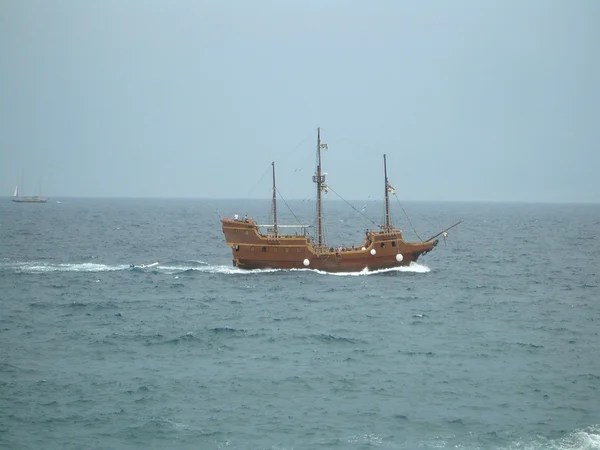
(28, 199)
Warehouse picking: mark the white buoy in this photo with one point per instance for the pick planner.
(373, 251)
(306, 262)
(399, 257)
(363, 249)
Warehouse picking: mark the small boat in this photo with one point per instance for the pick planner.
(256, 246)
(27, 199)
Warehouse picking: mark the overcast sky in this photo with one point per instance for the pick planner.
(471, 100)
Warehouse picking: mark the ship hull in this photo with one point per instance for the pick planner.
(29, 200)
(327, 264)
(380, 250)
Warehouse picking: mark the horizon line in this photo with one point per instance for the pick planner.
(587, 202)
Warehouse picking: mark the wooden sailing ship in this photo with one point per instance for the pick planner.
(274, 249)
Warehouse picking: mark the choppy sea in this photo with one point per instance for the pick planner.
(491, 341)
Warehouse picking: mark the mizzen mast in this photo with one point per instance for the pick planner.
(274, 202)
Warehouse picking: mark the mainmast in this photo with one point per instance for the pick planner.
(387, 195)
(274, 202)
(319, 178)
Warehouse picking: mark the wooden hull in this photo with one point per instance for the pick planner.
(380, 250)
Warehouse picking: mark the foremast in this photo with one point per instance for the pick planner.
(319, 179)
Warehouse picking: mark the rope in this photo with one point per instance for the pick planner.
(351, 206)
(288, 206)
(407, 218)
(258, 182)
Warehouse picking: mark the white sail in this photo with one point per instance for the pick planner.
(16, 193)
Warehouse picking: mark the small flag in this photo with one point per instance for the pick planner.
(324, 146)
(391, 189)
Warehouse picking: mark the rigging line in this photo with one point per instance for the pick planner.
(407, 218)
(303, 141)
(304, 163)
(288, 206)
(351, 206)
(354, 143)
(258, 182)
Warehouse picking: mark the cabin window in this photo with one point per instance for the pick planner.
(251, 249)
(246, 232)
(287, 250)
(275, 249)
(393, 243)
(264, 249)
(237, 248)
(382, 244)
(297, 250)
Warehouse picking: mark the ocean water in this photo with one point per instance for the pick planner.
(490, 342)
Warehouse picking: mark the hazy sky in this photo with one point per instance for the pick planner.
(471, 100)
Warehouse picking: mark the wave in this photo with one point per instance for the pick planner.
(229, 270)
(37, 267)
(585, 439)
(411, 268)
(581, 439)
(330, 338)
(42, 267)
(189, 267)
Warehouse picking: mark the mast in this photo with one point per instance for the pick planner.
(387, 195)
(319, 178)
(274, 202)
